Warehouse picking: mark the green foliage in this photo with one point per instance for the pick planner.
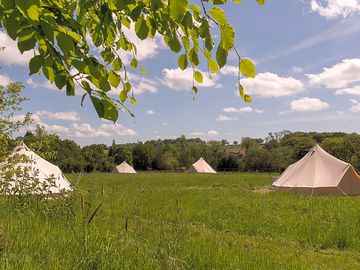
(60, 33)
(247, 68)
(10, 103)
(273, 154)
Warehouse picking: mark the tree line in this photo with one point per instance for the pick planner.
(271, 154)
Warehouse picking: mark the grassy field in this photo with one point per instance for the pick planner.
(179, 221)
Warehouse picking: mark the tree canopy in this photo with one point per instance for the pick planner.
(61, 33)
(272, 154)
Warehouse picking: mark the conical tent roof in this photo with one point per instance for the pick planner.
(124, 168)
(200, 166)
(48, 175)
(318, 172)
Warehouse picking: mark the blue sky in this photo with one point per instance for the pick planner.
(307, 55)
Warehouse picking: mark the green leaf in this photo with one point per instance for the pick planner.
(195, 89)
(117, 64)
(35, 64)
(29, 8)
(219, 15)
(133, 100)
(178, 9)
(60, 80)
(79, 65)
(183, 61)
(70, 88)
(247, 68)
(174, 44)
(213, 66)
(247, 98)
(134, 63)
(123, 95)
(7, 4)
(198, 77)
(195, 8)
(227, 37)
(49, 73)
(218, 2)
(241, 91)
(141, 28)
(27, 42)
(110, 111)
(194, 58)
(114, 78)
(221, 56)
(98, 106)
(143, 70)
(186, 42)
(261, 2)
(104, 85)
(65, 43)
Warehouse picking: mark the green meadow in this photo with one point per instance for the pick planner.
(179, 221)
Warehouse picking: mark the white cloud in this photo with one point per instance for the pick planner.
(336, 8)
(150, 112)
(272, 85)
(164, 123)
(105, 130)
(355, 107)
(213, 133)
(11, 55)
(64, 116)
(240, 110)
(338, 76)
(224, 118)
(118, 129)
(178, 79)
(141, 84)
(296, 69)
(259, 111)
(198, 133)
(307, 104)
(355, 90)
(4, 79)
(46, 84)
(230, 70)
(56, 128)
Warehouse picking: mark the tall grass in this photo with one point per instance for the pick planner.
(178, 221)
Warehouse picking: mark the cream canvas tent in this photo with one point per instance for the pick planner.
(42, 177)
(320, 173)
(200, 166)
(124, 168)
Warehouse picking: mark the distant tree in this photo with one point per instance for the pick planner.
(257, 159)
(247, 143)
(120, 153)
(96, 158)
(228, 163)
(41, 142)
(143, 156)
